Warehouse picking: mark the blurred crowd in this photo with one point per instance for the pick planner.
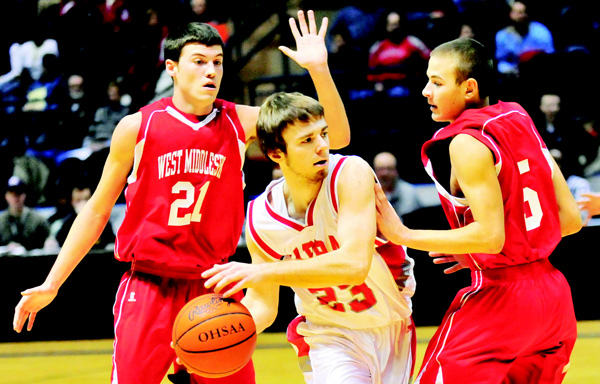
(70, 70)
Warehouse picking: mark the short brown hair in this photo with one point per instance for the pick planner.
(280, 110)
(474, 61)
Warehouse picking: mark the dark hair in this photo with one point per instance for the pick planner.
(194, 32)
(277, 112)
(474, 61)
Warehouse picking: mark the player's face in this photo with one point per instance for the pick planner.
(307, 147)
(198, 76)
(445, 97)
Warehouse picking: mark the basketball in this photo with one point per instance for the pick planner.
(214, 336)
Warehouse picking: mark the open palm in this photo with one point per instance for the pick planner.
(311, 51)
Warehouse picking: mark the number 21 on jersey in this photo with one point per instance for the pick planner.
(177, 218)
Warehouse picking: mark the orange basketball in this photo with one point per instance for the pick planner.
(214, 336)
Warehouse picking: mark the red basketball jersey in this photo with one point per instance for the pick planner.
(524, 170)
(185, 204)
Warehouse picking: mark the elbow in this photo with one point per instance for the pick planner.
(495, 243)
(571, 226)
(358, 270)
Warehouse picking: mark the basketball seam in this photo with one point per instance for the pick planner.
(214, 317)
(220, 349)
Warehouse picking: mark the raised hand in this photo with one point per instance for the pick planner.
(311, 52)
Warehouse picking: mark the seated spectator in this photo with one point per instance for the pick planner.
(31, 170)
(79, 196)
(21, 228)
(29, 55)
(206, 11)
(401, 194)
(41, 111)
(107, 117)
(77, 112)
(521, 40)
(357, 23)
(397, 61)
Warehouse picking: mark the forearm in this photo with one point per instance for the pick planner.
(335, 268)
(85, 231)
(469, 239)
(263, 314)
(335, 113)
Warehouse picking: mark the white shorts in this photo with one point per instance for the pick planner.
(330, 355)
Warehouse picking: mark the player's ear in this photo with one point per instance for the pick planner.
(171, 67)
(276, 155)
(471, 89)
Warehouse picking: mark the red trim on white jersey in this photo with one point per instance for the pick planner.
(333, 183)
(256, 236)
(283, 220)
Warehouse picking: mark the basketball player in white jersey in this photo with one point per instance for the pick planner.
(315, 231)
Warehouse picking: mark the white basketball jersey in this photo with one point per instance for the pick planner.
(383, 298)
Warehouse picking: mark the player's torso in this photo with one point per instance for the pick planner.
(185, 193)
(374, 303)
(524, 171)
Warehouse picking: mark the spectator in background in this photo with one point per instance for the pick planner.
(41, 111)
(107, 117)
(403, 195)
(520, 41)
(77, 112)
(397, 61)
(549, 121)
(206, 11)
(29, 55)
(357, 24)
(80, 194)
(21, 228)
(31, 170)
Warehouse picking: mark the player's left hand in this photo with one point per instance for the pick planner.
(241, 275)
(443, 258)
(311, 52)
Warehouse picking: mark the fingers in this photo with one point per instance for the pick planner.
(452, 269)
(294, 29)
(323, 29)
(302, 22)
(32, 316)
(236, 288)
(288, 52)
(312, 24)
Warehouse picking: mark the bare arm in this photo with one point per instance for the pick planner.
(262, 300)
(473, 167)
(568, 211)
(88, 225)
(348, 265)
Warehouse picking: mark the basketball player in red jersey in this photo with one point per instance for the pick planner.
(181, 158)
(508, 206)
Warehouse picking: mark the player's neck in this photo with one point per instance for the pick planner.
(192, 107)
(298, 196)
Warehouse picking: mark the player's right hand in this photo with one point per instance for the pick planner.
(33, 300)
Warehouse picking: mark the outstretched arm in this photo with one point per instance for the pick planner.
(88, 225)
(311, 54)
(473, 167)
(568, 211)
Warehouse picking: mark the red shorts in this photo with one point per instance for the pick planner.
(512, 325)
(145, 310)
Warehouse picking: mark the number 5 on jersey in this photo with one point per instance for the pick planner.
(187, 201)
